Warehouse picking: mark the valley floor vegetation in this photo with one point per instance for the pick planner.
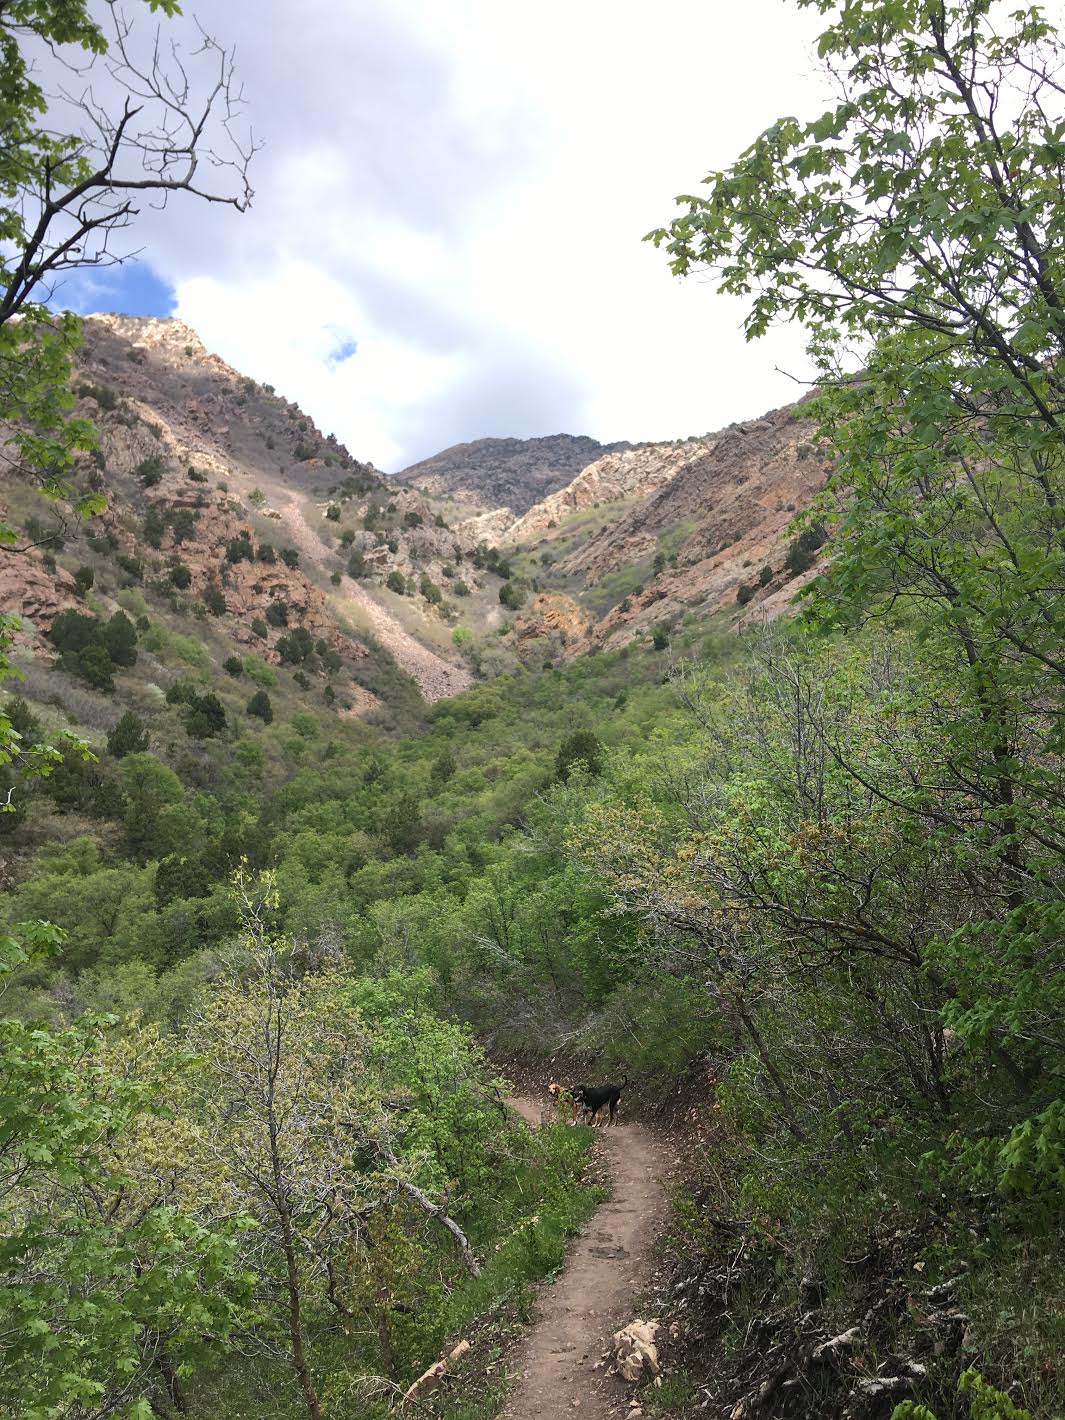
(254, 1158)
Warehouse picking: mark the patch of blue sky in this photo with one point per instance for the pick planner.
(344, 348)
(131, 289)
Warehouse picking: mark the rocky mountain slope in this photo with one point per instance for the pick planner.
(646, 535)
(512, 474)
(232, 517)
(224, 495)
(628, 473)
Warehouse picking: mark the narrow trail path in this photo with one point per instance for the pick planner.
(606, 1267)
(435, 677)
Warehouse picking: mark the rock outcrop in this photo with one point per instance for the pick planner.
(490, 474)
(618, 476)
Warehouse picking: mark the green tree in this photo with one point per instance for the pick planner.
(204, 716)
(259, 706)
(119, 637)
(110, 1292)
(915, 229)
(214, 599)
(129, 736)
(151, 788)
(512, 595)
(581, 747)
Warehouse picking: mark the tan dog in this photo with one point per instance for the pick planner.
(566, 1097)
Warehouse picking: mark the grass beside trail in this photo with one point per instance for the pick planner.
(492, 1309)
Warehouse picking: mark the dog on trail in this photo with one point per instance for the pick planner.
(588, 1099)
(566, 1098)
(594, 1097)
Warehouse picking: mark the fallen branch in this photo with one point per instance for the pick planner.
(429, 1380)
(436, 1211)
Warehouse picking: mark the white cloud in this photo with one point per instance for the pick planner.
(461, 189)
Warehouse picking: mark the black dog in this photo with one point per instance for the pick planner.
(592, 1098)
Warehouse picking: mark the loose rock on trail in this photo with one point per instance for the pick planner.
(560, 1363)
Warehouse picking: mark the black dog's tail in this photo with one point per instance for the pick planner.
(624, 1082)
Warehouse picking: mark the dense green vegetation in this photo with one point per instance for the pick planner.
(255, 1159)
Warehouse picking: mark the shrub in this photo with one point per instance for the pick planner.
(765, 576)
(511, 595)
(104, 396)
(744, 594)
(233, 665)
(460, 588)
(266, 553)
(357, 565)
(73, 631)
(802, 549)
(333, 513)
(180, 576)
(429, 590)
(295, 648)
(335, 578)
(204, 716)
(412, 519)
(277, 613)
(301, 680)
(239, 548)
(182, 525)
(347, 537)
(132, 566)
(84, 577)
(401, 827)
(290, 557)
(214, 600)
(581, 746)
(443, 768)
(396, 582)
(258, 628)
(150, 470)
(154, 526)
(129, 736)
(119, 638)
(259, 671)
(196, 475)
(93, 664)
(660, 637)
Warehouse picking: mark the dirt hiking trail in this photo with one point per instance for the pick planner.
(607, 1266)
(435, 677)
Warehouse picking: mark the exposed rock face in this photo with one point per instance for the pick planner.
(551, 623)
(28, 590)
(617, 476)
(487, 527)
(685, 525)
(738, 489)
(505, 473)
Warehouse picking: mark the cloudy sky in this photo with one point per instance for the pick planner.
(445, 238)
